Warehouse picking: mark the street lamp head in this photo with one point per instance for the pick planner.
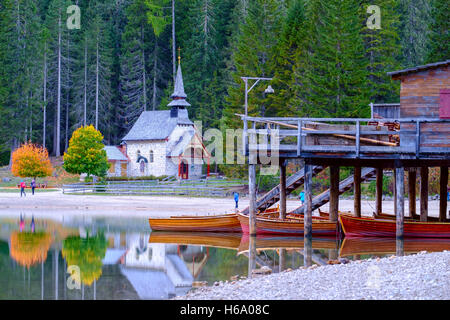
(269, 89)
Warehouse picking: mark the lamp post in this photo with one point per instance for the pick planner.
(247, 90)
(251, 160)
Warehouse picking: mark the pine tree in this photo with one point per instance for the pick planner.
(22, 55)
(334, 65)
(135, 76)
(5, 34)
(414, 31)
(290, 47)
(439, 39)
(58, 32)
(382, 52)
(255, 49)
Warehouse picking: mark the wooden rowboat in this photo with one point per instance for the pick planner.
(384, 246)
(391, 216)
(289, 226)
(217, 223)
(370, 227)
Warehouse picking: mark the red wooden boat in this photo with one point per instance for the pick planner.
(370, 227)
(292, 225)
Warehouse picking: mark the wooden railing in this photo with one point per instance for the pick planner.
(155, 187)
(298, 137)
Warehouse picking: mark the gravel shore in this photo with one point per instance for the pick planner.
(414, 277)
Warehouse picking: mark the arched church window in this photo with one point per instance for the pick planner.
(151, 156)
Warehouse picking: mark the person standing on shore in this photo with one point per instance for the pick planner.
(302, 197)
(33, 185)
(236, 198)
(22, 188)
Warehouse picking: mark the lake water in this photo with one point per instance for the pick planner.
(78, 257)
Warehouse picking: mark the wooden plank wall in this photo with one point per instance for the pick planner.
(420, 92)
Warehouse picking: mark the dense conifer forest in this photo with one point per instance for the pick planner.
(325, 56)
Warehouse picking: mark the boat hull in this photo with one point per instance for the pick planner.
(320, 227)
(370, 227)
(222, 223)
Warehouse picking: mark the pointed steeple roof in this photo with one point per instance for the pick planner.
(178, 94)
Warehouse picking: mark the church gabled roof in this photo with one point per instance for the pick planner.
(156, 125)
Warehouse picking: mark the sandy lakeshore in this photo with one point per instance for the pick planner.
(44, 204)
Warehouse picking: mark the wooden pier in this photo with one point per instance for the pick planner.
(411, 136)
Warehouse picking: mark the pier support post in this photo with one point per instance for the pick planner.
(308, 202)
(252, 195)
(400, 200)
(307, 252)
(357, 191)
(282, 189)
(251, 255)
(379, 191)
(423, 194)
(412, 192)
(281, 259)
(443, 182)
(399, 247)
(334, 193)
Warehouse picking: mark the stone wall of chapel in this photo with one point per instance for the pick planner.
(155, 168)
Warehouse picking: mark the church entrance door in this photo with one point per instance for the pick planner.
(184, 170)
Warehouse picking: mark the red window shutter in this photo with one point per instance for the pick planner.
(444, 109)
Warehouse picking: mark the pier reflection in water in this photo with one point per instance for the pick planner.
(122, 259)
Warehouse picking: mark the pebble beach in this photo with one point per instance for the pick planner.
(422, 276)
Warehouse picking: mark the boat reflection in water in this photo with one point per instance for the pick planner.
(370, 246)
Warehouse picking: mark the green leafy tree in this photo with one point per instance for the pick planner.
(86, 153)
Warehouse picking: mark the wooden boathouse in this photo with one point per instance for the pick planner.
(408, 137)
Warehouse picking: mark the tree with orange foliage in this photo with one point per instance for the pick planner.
(31, 160)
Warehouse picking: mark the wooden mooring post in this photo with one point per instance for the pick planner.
(307, 252)
(282, 189)
(423, 194)
(400, 200)
(443, 182)
(308, 202)
(412, 192)
(334, 193)
(252, 196)
(251, 255)
(379, 191)
(357, 191)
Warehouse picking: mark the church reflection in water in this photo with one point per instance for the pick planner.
(120, 259)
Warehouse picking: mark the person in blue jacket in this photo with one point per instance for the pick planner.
(302, 197)
(236, 198)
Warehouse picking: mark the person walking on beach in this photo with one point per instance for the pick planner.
(22, 188)
(33, 185)
(302, 197)
(236, 198)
